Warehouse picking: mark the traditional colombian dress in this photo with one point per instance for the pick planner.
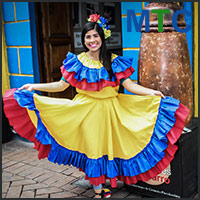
(105, 134)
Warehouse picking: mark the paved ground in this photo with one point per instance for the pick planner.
(24, 176)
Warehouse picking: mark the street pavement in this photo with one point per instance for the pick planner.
(24, 176)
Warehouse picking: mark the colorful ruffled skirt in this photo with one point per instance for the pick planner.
(104, 134)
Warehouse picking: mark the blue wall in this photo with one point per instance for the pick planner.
(20, 34)
(21, 47)
(131, 40)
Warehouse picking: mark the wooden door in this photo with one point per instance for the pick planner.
(55, 38)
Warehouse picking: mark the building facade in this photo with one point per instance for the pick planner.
(35, 39)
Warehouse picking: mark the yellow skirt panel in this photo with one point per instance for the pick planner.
(98, 127)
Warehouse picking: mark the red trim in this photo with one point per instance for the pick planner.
(21, 122)
(173, 135)
(181, 116)
(19, 119)
(159, 167)
(84, 85)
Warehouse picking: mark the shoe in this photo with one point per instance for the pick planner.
(105, 193)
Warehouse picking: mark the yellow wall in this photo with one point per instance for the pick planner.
(196, 59)
(5, 77)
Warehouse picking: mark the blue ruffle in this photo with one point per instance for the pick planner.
(142, 162)
(72, 64)
(121, 64)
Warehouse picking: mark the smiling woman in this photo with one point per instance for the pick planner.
(93, 42)
(105, 134)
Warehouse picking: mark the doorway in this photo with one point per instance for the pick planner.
(54, 27)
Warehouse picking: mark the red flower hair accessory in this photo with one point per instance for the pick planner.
(94, 18)
(102, 23)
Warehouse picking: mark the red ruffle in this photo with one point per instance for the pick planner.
(173, 135)
(84, 85)
(20, 120)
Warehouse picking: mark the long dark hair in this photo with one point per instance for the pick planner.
(104, 54)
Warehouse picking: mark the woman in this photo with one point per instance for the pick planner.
(105, 134)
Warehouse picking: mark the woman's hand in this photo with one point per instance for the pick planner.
(28, 86)
(157, 93)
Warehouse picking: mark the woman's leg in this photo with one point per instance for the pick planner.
(101, 192)
(97, 187)
(97, 190)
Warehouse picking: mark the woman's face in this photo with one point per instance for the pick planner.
(92, 40)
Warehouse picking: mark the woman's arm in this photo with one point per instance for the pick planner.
(47, 87)
(140, 90)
